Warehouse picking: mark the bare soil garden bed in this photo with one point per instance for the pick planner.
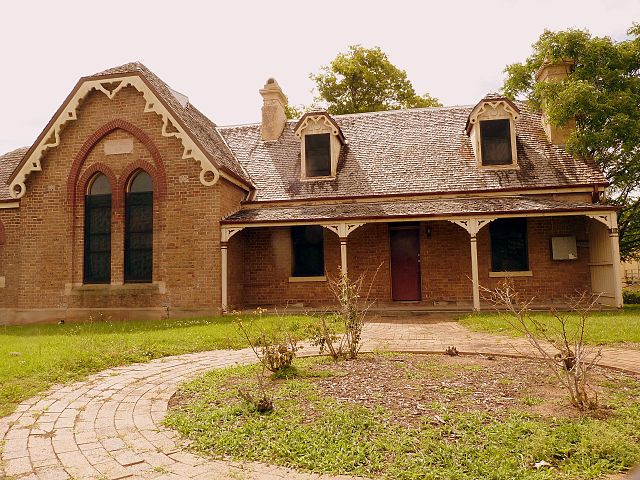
(408, 416)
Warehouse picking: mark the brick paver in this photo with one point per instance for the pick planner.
(109, 426)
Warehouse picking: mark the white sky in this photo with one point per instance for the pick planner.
(220, 55)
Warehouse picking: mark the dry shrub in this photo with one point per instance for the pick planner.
(560, 345)
(350, 316)
(275, 351)
(263, 401)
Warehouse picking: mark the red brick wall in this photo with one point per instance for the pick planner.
(368, 254)
(267, 268)
(552, 280)
(44, 252)
(445, 264)
(9, 256)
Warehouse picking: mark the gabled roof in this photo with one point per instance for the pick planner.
(400, 152)
(416, 151)
(195, 121)
(8, 162)
(202, 132)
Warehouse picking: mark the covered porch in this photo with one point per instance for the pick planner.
(436, 253)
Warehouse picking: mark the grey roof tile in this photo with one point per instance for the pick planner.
(8, 163)
(398, 209)
(406, 152)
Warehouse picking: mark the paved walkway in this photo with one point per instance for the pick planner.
(108, 427)
(434, 333)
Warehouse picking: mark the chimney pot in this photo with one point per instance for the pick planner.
(273, 110)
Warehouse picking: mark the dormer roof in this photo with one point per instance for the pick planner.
(304, 121)
(494, 99)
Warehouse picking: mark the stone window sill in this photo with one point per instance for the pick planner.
(524, 273)
(509, 166)
(307, 279)
(319, 178)
(115, 289)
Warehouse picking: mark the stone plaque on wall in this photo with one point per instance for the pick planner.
(117, 147)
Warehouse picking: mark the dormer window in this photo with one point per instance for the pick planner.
(320, 142)
(491, 126)
(495, 142)
(318, 155)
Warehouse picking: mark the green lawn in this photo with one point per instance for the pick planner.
(35, 357)
(603, 328)
(309, 430)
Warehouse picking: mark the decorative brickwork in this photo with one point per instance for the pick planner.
(157, 173)
(85, 178)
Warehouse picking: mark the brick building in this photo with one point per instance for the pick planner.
(132, 203)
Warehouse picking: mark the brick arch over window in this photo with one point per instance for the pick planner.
(83, 183)
(159, 174)
(133, 168)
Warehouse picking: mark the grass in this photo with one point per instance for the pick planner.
(32, 358)
(311, 432)
(603, 328)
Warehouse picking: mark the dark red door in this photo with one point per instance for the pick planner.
(405, 262)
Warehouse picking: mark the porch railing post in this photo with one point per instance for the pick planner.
(343, 255)
(343, 230)
(225, 235)
(614, 238)
(473, 226)
(474, 272)
(224, 279)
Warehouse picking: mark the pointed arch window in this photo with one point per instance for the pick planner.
(138, 238)
(97, 230)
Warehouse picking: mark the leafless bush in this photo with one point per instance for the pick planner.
(561, 344)
(263, 402)
(275, 351)
(353, 306)
(452, 351)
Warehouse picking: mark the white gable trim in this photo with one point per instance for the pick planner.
(51, 139)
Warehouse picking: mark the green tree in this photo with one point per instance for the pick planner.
(294, 111)
(602, 93)
(364, 80)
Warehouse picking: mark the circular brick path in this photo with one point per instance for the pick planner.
(109, 426)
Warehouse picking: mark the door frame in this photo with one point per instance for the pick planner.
(406, 226)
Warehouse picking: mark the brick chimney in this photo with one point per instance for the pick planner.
(273, 116)
(553, 73)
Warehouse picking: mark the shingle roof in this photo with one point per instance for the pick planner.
(416, 151)
(409, 152)
(203, 129)
(8, 163)
(399, 209)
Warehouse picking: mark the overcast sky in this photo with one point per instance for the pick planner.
(219, 55)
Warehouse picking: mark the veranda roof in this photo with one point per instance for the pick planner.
(398, 210)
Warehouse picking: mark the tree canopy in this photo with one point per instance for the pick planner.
(602, 93)
(364, 80)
